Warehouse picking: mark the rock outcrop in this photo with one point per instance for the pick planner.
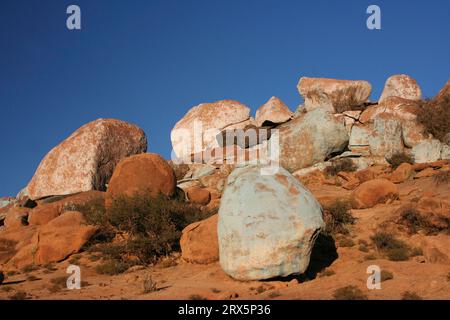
(198, 129)
(86, 160)
(199, 242)
(309, 139)
(267, 225)
(273, 111)
(333, 95)
(402, 86)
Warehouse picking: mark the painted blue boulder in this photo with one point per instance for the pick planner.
(267, 224)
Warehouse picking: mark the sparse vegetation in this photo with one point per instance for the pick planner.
(386, 275)
(112, 267)
(415, 221)
(394, 249)
(274, 294)
(346, 243)
(340, 165)
(151, 226)
(29, 268)
(397, 159)
(408, 295)
(6, 288)
(338, 217)
(435, 117)
(19, 295)
(214, 290)
(370, 257)
(326, 273)
(442, 177)
(349, 293)
(196, 297)
(149, 285)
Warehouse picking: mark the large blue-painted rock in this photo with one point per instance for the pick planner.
(267, 224)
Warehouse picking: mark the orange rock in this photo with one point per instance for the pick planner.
(16, 217)
(53, 242)
(147, 172)
(372, 192)
(45, 212)
(199, 242)
(402, 173)
(273, 111)
(368, 173)
(198, 195)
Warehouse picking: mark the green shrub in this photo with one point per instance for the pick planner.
(393, 249)
(152, 226)
(349, 293)
(340, 165)
(338, 217)
(397, 159)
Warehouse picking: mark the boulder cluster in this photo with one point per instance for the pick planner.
(264, 222)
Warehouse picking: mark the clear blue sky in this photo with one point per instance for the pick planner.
(149, 61)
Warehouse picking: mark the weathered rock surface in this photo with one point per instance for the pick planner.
(198, 195)
(86, 160)
(198, 129)
(386, 137)
(402, 86)
(199, 243)
(333, 95)
(147, 172)
(53, 242)
(267, 225)
(310, 139)
(373, 192)
(427, 151)
(273, 111)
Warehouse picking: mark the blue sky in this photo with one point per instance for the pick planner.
(148, 62)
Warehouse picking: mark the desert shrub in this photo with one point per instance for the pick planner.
(349, 293)
(394, 249)
(19, 295)
(363, 248)
(370, 257)
(347, 101)
(152, 226)
(112, 267)
(434, 115)
(386, 275)
(346, 243)
(149, 285)
(274, 294)
(408, 295)
(326, 273)
(343, 164)
(180, 170)
(415, 221)
(196, 297)
(338, 217)
(442, 177)
(398, 158)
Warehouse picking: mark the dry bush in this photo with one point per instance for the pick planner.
(346, 243)
(415, 221)
(408, 295)
(349, 293)
(442, 177)
(338, 217)
(434, 115)
(386, 275)
(394, 249)
(343, 164)
(196, 297)
(397, 159)
(153, 227)
(19, 295)
(149, 285)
